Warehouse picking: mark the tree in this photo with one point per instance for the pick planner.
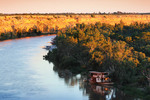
(145, 67)
(92, 15)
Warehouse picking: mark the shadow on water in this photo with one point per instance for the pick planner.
(93, 91)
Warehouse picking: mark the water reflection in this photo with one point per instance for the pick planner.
(93, 91)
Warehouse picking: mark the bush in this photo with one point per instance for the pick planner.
(93, 15)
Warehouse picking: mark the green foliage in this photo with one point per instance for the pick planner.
(123, 50)
(143, 93)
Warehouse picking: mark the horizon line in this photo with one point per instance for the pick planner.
(97, 13)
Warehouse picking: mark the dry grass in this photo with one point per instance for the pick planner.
(41, 22)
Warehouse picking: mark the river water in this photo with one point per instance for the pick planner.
(24, 75)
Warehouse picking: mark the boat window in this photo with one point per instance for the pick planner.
(105, 73)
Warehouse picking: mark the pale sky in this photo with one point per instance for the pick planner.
(75, 6)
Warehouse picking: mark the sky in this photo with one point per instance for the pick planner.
(75, 6)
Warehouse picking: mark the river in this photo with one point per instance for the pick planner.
(24, 75)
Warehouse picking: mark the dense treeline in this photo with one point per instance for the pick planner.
(123, 50)
(19, 33)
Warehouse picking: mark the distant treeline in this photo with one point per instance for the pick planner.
(23, 33)
(17, 26)
(70, 13)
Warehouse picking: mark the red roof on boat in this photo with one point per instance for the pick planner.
(95, 72)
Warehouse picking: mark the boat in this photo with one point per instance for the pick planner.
(101, 78)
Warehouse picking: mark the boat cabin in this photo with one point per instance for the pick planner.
(99, 77)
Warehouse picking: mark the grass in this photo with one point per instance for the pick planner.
(47, 23)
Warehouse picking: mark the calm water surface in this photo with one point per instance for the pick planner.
(24, 75)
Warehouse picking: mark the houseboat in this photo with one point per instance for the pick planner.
(99, 78)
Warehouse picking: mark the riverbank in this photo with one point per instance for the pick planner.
(142, 93)
(120, 49)
(31, 36)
